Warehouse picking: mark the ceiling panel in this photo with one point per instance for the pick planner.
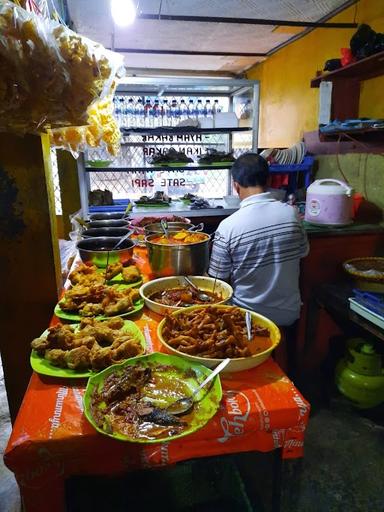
(92, 18)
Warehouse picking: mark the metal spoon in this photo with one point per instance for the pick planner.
(201, 295)
(248, 323)
(183, 405)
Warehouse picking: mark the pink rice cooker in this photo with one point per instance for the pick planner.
(329, 202)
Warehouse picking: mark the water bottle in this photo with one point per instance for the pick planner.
(116, 104)
(156, 114)
(130, 117)
(183, 110)
(191, 110)
(165, 114)
(139, 113)
(216, 107)
(174, 113)
(122, 110)
(208, 109)
(147, 111)
(199, 109)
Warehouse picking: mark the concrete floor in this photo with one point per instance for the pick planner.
(342, 469)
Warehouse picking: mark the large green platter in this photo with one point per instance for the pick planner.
(44, 367)
(204, 409)
(74, 317)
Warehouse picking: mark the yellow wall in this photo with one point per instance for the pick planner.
(288, 105)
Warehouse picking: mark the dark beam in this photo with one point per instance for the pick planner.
(245, 21)
(188, 52)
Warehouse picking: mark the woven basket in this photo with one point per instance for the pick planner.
(358, 268)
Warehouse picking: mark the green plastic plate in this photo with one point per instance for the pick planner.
(119, 280)
(152, 205)
(204, 409)
(74, 317)
(216, 164)
(44, 367)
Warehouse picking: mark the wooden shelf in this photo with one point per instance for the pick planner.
(363, 69)
(363, 135)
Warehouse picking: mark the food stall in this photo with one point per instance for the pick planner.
(129, 337)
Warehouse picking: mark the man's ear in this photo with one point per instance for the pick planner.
(236, 186)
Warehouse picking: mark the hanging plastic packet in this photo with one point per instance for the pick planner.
(49, 75)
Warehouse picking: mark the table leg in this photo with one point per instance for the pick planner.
(277, 480)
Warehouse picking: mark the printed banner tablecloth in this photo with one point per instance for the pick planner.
(261, 410)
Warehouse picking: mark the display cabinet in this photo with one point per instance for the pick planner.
(131, 174)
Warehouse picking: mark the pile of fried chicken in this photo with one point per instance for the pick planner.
(88, 274)
(99, 299)
(94, 346)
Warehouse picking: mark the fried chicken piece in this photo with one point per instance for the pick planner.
(61, 336)
(40, 345)
(113, 270)
(131, 274)
(129, 348)
(56, 357)
(83, 269)
(87, 321)
(114, 323)
(102, 334)
(101, 358)
(120, 306)
(132, 293)
(78, 358)
(84, 340)
(91, 309)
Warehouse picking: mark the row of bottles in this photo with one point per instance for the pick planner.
(136, 113)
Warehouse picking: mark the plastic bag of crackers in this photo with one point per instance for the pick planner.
(50, 77)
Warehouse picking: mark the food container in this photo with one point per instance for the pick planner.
(95, 250)
(172, 227)
(205, 284)
(329, 202)
(236, 364)
(174, 260)
(107, 216)
(108, 232)
(111, 223)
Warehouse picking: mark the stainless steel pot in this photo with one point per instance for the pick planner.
(176, 260)
(155, 227)
(113, 223)
(108, 232)
(95, 250)
(107, 216)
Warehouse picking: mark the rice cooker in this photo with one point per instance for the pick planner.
(329, 202)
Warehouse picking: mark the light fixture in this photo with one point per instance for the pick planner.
(123, 12)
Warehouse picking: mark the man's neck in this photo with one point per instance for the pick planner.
(250, 191)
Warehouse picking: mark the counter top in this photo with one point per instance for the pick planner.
(353, 229)
(182, 209)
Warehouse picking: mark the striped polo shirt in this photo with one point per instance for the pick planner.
(258, 250)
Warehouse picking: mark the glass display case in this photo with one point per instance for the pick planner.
(206, 123)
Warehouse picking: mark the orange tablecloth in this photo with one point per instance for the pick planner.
(261, 410)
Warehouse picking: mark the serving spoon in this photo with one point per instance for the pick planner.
(201, 295)
(185, 404)
(248, 323)
(164, 225)
(122, 239)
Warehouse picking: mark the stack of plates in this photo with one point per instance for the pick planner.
(290, 156)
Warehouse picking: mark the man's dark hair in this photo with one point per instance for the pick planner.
(250, 170)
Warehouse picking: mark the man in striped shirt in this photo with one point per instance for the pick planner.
(258, 248)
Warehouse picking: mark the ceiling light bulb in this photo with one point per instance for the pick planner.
(123, 12)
